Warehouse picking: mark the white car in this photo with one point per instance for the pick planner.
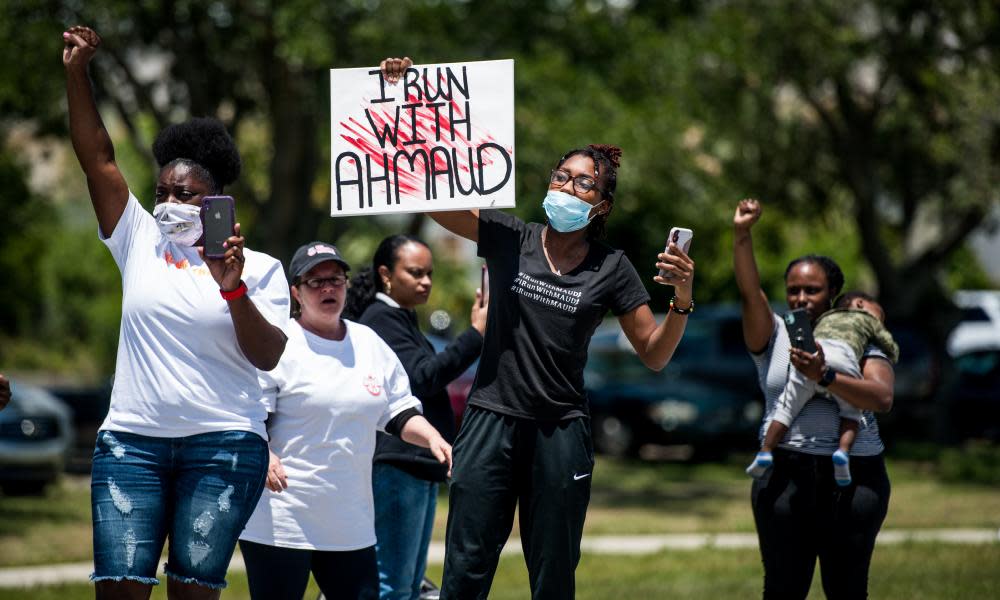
(36, 433)
(980, 325)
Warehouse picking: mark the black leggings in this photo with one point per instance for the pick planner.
(277, 573)
(501, 462)
(802, 514)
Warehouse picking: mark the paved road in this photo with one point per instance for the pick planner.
(626, 544)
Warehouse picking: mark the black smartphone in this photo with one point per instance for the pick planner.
(218, 220)
(800, 332)
(484, 283)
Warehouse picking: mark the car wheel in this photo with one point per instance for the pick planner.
(612, 436)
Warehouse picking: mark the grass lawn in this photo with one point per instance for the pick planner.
(629, 497)
(916, 571)
(911, 572)
(634, 497)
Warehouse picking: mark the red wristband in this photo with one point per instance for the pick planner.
(237, 293)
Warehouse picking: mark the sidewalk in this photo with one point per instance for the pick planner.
(609, 544)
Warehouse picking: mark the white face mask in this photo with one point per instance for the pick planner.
(179, 223)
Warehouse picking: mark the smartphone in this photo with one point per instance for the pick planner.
(800, 332)
(680, 237)
(218, 219)
(484, 285)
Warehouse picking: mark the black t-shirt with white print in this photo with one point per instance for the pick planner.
(539, 324)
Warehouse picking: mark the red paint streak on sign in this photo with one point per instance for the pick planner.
(411, 182)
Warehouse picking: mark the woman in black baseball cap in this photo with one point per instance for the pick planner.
(303, 272)
(337, 384)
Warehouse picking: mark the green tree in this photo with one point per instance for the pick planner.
(870, 129)
(885, 110)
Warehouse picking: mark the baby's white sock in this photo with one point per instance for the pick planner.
(842, 468)
(761, 463)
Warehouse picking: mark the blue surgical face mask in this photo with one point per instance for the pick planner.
(566, 212)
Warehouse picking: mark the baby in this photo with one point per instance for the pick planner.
(855, 323)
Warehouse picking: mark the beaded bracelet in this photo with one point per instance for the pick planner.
(681, 311)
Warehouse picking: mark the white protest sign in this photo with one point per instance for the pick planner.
(442, 138)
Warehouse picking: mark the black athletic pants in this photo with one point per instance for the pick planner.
(802, 514)
(500, 462)
(275, 573)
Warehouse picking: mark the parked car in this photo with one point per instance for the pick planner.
(918, 377)
(980, 324)
(36, 433)
(706, 398)
(458, 390)
(974, 346)
(89, 405)
(976, 397)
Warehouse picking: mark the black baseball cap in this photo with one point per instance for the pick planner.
(310, 255)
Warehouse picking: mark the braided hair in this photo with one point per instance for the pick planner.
(834, 276)
(607, 159)
(204, 145)
(366, 283)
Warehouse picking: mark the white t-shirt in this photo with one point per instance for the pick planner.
(328, 399)
(180, 370)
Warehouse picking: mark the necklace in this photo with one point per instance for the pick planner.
(574, 260)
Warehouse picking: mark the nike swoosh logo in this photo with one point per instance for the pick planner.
(578, 477)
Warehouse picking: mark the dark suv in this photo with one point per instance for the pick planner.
(706, 398)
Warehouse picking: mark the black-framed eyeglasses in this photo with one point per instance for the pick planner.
(581, 183)
(321, 282)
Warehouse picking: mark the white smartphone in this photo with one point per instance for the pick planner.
(681, 237)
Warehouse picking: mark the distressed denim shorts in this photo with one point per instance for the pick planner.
(199, 490)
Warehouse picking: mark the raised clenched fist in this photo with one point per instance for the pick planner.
(80, 46)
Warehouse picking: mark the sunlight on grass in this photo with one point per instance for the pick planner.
(629, 497)
(53, 528)
(916, 571)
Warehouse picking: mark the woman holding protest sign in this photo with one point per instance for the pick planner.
(525, 439)
(800, 512)
(182, 451)
(405, 477)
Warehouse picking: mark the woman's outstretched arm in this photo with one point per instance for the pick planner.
(464, 223)
(419, 432)
(758, 322)
(655, 344)
(91, 142)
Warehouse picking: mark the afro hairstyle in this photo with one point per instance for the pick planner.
(203, 141)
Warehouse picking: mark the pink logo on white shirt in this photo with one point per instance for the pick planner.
(371, 384)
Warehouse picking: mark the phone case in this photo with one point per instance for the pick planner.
(484, 285)
(680, 236)
(800, 330)
(218, 219)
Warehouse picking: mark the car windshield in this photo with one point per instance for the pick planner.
(979, 363)
(706, 340)
(622, 366)
(974, 313)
